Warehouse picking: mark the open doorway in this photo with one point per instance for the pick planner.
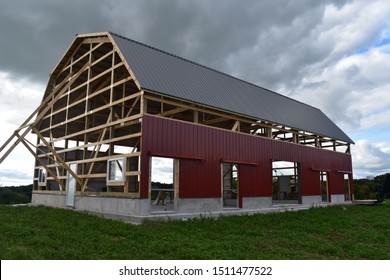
(324, 186)
(163, 184)
(286, 188)
(230, 186)
(347, 187)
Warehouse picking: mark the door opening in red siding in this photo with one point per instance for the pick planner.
(347, 186)
(230, 185)
(163, 184)
(324, 186)
(286, 182)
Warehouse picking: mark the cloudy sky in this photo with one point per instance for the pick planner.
(334, 55)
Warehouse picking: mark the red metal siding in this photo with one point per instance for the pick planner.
(202, 178)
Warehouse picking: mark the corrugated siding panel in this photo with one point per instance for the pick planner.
(168, 74)
(202, 178)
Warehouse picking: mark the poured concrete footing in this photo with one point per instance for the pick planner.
(135, 210)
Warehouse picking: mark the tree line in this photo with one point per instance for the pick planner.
(364, 189)
(368, 187)
(15, 194)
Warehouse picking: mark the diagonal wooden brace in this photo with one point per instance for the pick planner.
(58, 157)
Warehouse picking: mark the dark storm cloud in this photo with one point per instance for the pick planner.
(36, 33)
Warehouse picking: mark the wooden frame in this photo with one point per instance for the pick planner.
(177, 109)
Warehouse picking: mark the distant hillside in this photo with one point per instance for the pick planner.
(367, 188)
(15, 195)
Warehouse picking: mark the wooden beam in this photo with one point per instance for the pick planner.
(172, 112)
(236, 126)
(94, 111)
(61, 185)
(135, 154)
(103, 39)
(102, 135)
(58, 157)
(72, 63)
(108, 141)
(216, 120)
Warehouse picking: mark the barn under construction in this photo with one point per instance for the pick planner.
(113, 106)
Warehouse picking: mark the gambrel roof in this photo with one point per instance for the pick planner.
(168, 74)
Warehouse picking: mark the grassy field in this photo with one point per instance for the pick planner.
(337, 232)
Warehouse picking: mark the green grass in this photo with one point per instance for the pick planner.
(337, 232)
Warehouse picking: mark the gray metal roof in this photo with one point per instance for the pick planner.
(174, 76)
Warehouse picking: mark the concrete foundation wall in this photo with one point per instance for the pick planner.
(196, 205)
(256, 202)
(311, 200)
(136, 210)
(113, 205)
(337, 199)
(53, 200)
(109, 205)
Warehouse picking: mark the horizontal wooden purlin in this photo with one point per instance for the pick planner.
(108, 141)
(115, 184)
(126, 123)
(91, 80)
(135, 154)
(91, 193)
(172, 112)
(58, 177)
(253, 127)
(133, 173)
(95, 78)
(80, 58)
(91, 95)
(59, 95)
(102, 57)
(103, 39)
(216, 120)
(48, 192)
(106, 71)
(209, 111)
(138, 116)
(109, 194)
(192, 107)
(169, 155)
(95, 175)
(90, 112)
(239, 162)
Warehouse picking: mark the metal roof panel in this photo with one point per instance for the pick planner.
(174, 76)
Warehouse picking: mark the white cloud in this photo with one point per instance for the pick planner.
(19, 98)
(370, 159)
(162, 170)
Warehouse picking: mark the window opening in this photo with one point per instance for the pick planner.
(116, 170)
(42, 176)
